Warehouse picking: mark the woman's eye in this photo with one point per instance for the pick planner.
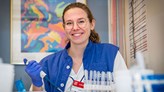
(69, 23)
(81, 21)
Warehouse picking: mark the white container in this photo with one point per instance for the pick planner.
(123, 81)
(6, 77)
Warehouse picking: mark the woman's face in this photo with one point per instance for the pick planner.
(77, 26)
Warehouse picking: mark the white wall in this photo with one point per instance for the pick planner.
(155, 27)
(154, 57)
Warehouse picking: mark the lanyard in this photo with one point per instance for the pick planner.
(76, 83)
(74, 79)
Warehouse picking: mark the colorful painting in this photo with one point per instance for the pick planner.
(36, 28)
(41, 25)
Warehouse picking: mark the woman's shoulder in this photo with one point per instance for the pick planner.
(54, 55)
(107, 46)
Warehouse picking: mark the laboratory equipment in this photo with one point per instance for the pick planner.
(43, 76)
(96, 81)
(136, 79)
(20, 86)
(6, 77)
(144, 80)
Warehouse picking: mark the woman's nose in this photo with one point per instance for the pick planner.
(75, 26)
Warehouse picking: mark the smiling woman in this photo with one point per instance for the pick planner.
(80, 31)
(83, 52)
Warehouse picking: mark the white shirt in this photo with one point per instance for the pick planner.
(119, 64)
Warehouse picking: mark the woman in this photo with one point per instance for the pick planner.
(83, 52)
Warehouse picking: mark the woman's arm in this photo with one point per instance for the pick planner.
(35, 88)
(119, 63)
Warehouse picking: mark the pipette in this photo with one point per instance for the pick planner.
(43, 76)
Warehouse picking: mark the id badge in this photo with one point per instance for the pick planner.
(77, 86)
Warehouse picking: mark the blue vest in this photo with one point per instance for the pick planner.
(57, 66)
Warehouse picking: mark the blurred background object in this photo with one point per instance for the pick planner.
(6, 77)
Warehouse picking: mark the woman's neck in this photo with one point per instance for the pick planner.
(77, 50)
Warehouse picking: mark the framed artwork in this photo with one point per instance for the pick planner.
(36, 28)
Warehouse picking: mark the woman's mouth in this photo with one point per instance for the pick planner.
(77, 34)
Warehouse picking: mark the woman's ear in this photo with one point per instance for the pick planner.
(93, 24)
